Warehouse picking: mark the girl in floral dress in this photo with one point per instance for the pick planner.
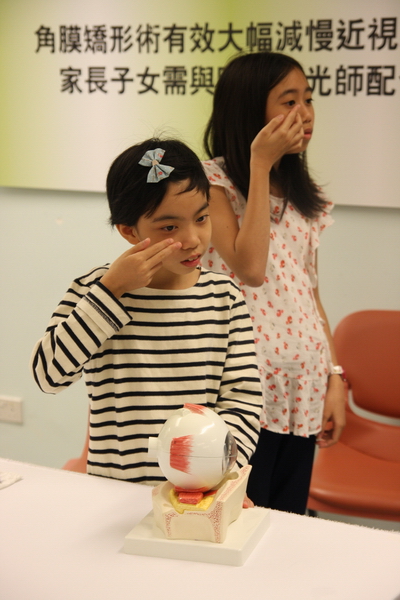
(267, 216)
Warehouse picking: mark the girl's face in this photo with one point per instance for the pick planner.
(183, 217)
(293, 89)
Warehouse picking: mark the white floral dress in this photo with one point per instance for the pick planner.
(292, 348)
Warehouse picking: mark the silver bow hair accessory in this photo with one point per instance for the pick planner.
(157, 171)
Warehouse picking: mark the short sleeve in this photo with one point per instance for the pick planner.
(216, 174)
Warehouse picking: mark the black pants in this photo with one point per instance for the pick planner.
(281, 473)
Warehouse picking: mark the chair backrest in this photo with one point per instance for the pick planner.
(367, 344)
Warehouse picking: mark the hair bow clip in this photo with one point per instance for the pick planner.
(157, 171)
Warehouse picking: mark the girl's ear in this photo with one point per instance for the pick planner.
(129, 233)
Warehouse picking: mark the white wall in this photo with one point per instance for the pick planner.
(50, 237)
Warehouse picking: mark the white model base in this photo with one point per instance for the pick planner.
(146, 539)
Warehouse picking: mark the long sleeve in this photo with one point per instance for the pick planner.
(86, 317)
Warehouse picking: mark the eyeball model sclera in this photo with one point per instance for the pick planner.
(195, 448)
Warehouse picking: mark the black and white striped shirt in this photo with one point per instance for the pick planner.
(146, 355)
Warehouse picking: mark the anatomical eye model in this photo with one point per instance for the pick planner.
(195, 450)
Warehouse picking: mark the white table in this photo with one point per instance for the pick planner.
(61, 536)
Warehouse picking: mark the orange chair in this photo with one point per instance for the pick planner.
(360, 475)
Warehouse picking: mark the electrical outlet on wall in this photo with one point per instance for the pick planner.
(10, 409)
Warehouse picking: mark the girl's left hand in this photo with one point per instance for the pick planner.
(334, 415)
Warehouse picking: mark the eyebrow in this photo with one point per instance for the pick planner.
(294, 91)
(175, 217)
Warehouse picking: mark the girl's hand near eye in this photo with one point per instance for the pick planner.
(279, 136)
(136, 267)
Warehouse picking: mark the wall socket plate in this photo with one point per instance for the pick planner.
(10, 409)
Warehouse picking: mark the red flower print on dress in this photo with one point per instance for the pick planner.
(210, 263)
(289, 320)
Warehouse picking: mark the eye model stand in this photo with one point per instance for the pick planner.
(185, 523)
(223, 534)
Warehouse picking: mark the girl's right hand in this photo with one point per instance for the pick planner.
(136, 267)
(280, 136)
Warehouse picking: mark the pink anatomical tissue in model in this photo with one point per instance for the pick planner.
(196, 452)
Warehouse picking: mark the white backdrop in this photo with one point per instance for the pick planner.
(82, 80)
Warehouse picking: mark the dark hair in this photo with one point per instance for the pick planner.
(239, 114)
(130, 196)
